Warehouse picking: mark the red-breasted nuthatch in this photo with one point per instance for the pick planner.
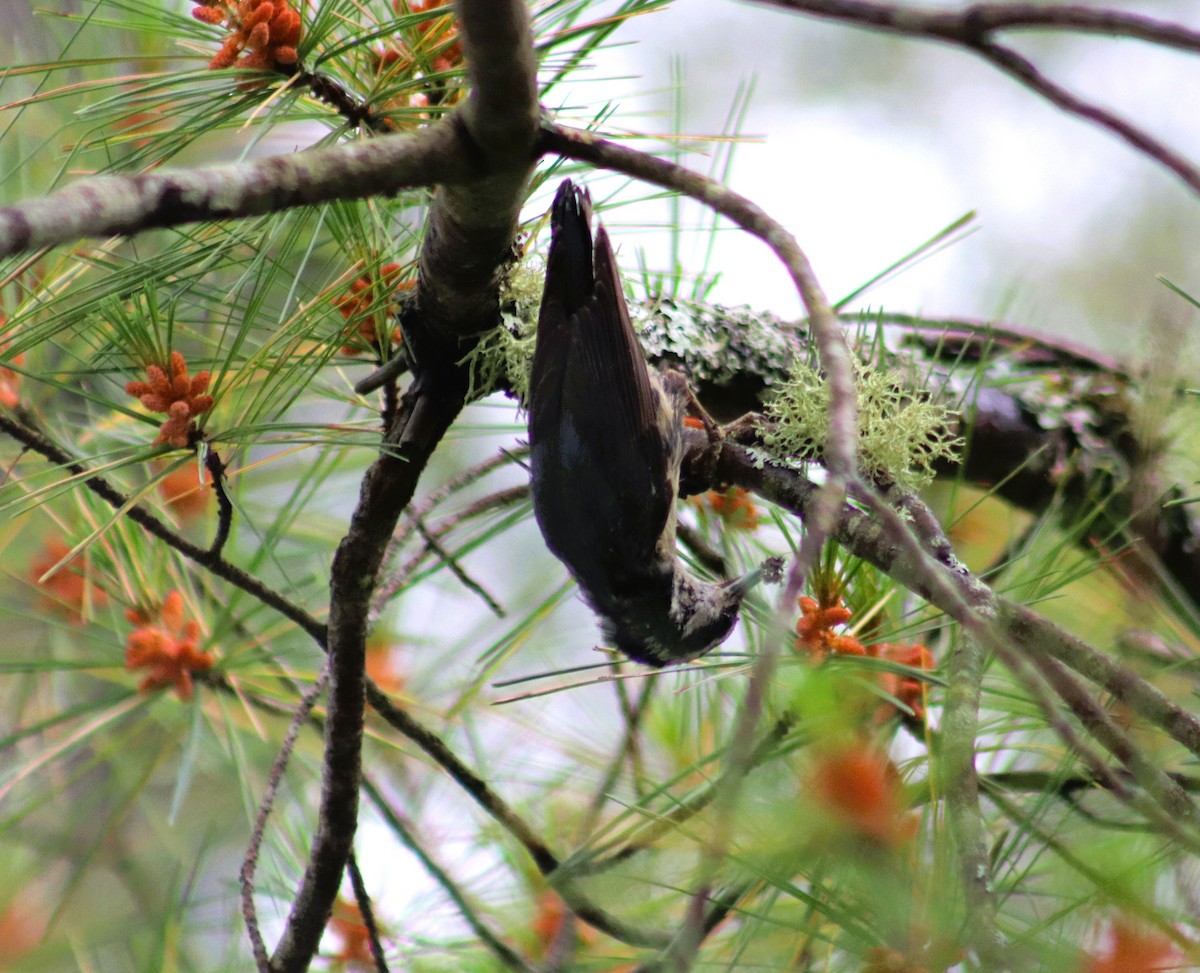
(606, 439)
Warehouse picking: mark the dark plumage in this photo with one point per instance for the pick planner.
(606, 446)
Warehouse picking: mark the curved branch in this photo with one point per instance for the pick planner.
(834, 354)
(207, 559)
(1024, 70)
(971, 28)
(966, 26)
(334, 94)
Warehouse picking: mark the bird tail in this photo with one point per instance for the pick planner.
(570, 277)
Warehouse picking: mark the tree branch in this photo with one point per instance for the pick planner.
(207, 559)
(107, 205)
(469, 232)
(970, 29)
(1024, 71)
(952, 589)
(967, 25)
(1048, 423)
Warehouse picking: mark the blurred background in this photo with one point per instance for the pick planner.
(865, 145)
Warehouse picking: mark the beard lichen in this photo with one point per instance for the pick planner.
(502, 358)
(902, 431)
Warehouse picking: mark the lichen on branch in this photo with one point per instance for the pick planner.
(902, 431)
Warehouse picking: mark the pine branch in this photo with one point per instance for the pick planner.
(932, 571)
(1048, 424)
(469, 232)
(209, 559)
(108, 205)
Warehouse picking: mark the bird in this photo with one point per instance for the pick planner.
(606, 448)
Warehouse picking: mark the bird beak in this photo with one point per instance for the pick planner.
(770, 571)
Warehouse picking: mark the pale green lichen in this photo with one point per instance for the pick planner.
(503, 357)
(902, 431)
(521, 290)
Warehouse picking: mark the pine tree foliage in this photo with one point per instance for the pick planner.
(256, 598)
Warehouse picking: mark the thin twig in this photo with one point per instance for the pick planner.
(633, 714)
(1027, 73)
(250, 860)
(355, 110)
(216, 470)
(701, 550)
(404, 830)
(460, 480)
(680, 955)
(363, 900)
(667, 823)
(456, 569)
(959, 727)
(546, 861)
(38, 443)
(397, 581)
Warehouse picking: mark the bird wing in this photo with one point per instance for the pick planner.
(596, 419)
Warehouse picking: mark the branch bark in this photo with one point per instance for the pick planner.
(960, 728)
(953, 589)
(108, 205)
(964, 26)
(1049, 424)
(470, 228)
